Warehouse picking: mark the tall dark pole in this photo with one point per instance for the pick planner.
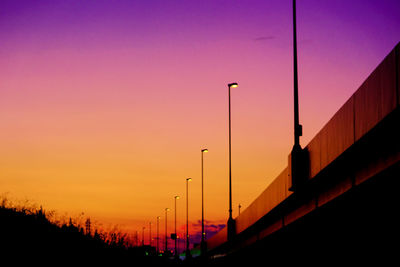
(297, 126)
(230, 158)
(187, 218)
(231, 222)
(298, 161)
(143, 236)
(203, 233)
(158, 224)
(176, 250)
(166, 234)
(150, 234)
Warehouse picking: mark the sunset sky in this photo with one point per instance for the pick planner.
(106, 105)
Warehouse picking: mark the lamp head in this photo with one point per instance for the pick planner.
(233, 85)
(176, 197)
(204, 150)
(188, 179)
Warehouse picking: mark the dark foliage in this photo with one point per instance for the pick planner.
(28, 237)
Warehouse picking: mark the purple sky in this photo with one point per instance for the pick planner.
(105, 105)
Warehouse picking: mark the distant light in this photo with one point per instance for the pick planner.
(167, 209)
(188, 179)
(204, 150)
(233, 85)
(177, 197)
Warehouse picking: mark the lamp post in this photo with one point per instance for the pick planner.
(297, 126)
(187, 217)
(298, 160)
(239, 208)
(175, 237)
(231, 222)
(203, 233)
(158, 224)
(166, 234)
(143, 236)
(150, 234)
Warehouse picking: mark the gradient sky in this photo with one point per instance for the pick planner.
(105, 105)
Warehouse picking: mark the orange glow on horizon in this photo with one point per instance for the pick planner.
(106, 117)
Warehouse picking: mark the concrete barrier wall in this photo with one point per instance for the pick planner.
(378, 96)
(374, 100)
(398, 72)
(334, 138)
(275, 193)
(218, 239)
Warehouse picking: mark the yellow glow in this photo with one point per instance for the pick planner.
(188, 179)
(177, 197)
(233, 85)
(205, 150)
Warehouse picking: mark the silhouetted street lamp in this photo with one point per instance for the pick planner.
(150, 233)
(166, 232)
(175, 234)
(297, 126)
(143, 236)
(298, 160)
(187, 217)
(158, 224)
(231, 222)
(203, 233)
